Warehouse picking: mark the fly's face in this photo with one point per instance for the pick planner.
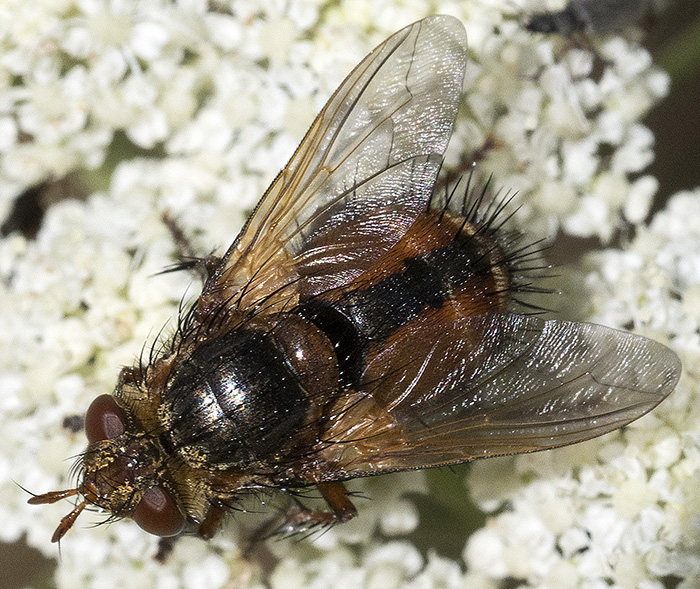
(122, 472)
(360, 324)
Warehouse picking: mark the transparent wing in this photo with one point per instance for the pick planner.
(492, 385)
(371, 157)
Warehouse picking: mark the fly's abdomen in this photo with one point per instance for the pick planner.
(442, 265)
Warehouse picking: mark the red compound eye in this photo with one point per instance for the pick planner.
(104, 419)
(157, 513)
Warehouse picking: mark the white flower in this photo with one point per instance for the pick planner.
(630, 525)
(199, 104)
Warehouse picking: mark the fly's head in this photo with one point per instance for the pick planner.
(122, 471)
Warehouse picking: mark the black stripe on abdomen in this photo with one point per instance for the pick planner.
(368, 314)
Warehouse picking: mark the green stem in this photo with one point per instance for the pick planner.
(681, 56)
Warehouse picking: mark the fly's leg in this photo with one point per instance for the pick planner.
(189, 260)
(297, 519)
(165, 549)
(300, 519)
(213, 519)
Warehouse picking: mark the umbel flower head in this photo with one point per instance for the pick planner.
(192, 108)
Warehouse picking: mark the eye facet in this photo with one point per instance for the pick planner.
(104, 419)
(157, 513)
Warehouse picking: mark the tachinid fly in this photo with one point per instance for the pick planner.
(358, 325)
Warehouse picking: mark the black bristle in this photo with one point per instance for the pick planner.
(485, 216)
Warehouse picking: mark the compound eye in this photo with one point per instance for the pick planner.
(157, 513)
(104, 419)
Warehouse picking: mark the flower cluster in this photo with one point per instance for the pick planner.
(625, 507)
(191, 107)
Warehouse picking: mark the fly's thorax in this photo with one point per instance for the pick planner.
(239, 401)
(139, 391)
